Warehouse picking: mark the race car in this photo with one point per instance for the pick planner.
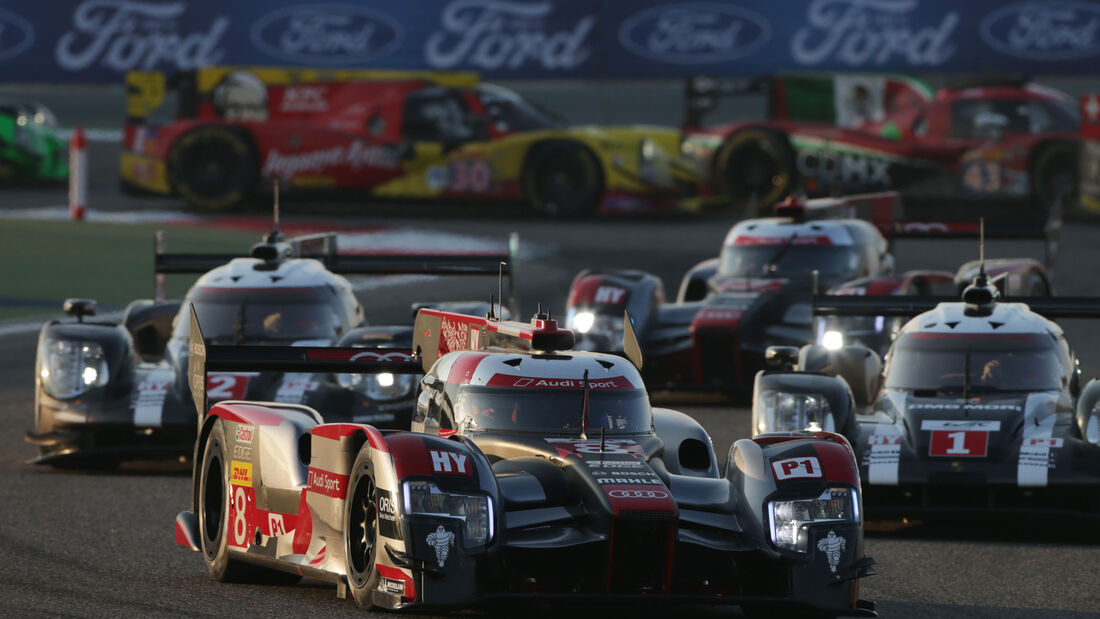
(533, 472)
(1004, 149)
(30, 147)
(393, 134)
(979, 407)
(106, 392)
(757, 293)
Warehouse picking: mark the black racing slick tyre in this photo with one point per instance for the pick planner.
(563, 179)
(1054, 175)
(361, 543)
(213, 167)
(755, 169)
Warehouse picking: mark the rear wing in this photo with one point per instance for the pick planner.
(323, 247)
(908, 306)
(204, 358)
(146, 90)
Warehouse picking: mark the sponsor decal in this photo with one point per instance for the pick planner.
(1051, 443)
(358, 155)
(617, 464)
(833, 546)
(848, 168)
(635, 478)
(244, 433)
(719, 314)
(450, 462)
(328, 483)
(872, 33)
(747, 239)
(242, 452)
(694, 33)
(612, 295)
(441, 540)
(393, 585)
(125, 35)
(226, 386)
(437, 177)
(529, 382)
(238, 514)
(883, 439)
(1044, 30)
(240, 473)
(453, 334)
(797, 468)
(309, 98)
(16, 34)
(473, 175)
(566, 446)
(387, 515)
(982, 176)
(380, 356)
(327, 34)
(959, 443)
(962, 424)
(276, 526)
(497, 34)
(637, 494)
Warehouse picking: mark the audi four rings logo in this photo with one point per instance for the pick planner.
(638, 494)
(377, 356)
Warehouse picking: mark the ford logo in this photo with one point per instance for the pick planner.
(695, 33)
(1044, 30)
(326, 34)
(16, 35)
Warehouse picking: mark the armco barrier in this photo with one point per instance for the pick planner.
(98, 40)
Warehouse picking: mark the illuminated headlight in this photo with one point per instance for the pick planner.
(382, 386)
(582, 321)
(474, 510)
(68, 369)
(791, 412)
(653, 163)
(1092, 428)
(789, 519)
(833, 340)
(600, 332)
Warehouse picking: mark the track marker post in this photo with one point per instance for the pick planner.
(78, 174)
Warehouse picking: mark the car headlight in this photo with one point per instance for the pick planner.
(778, 411)
(600, 332)
(653, 166)
(475, 510)
(382, 386)
(68, 369)
(833, 340)
(582, 321)
(789, 519)
(1092, 426)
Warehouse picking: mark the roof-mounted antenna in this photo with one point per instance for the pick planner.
(584, 408)
(274, 235)
(979, 296)
(500, 289)
(489, 315)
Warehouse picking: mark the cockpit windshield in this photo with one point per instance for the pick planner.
(832, 262)
(552, 411)
(984, 362)
(514, 113)
(262, 316)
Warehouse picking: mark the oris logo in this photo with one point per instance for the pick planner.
(695, 33)
(328, 34)
(16, 35)
(638, 494)
(1044, 30)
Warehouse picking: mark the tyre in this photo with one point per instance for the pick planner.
(361, 531)
(563, 179)
(755, 169)
(213, 167)
(1053, 174)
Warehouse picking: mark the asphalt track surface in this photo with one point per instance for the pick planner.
(101, 544)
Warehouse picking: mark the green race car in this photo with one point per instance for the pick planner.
(30, 147)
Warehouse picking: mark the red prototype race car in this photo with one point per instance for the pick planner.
(1009, 149)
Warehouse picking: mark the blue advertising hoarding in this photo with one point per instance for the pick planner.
(95, 41)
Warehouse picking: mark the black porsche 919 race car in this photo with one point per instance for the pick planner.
(757, 292)
(979, 407)
(532, 472)
(107, 392)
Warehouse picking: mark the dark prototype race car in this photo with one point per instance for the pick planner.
(532, 472)
(979, 406)
(757, 293)
(107, 391)
(1006, 148)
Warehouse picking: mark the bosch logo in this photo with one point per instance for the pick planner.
(695, 33)
(638, 494)
(377, 356)
(327, 34)
(1044, 30)
(16, 35)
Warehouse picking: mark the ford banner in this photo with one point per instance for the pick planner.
(98, 40)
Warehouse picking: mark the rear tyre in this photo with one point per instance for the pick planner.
(755, 169)
(213, 167)
(361, 541)
(563, 179)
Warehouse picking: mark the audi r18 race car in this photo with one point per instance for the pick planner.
(979, 406)
(533, 472)
(394, 134)
(30, 148)
(1005, 149)
(107, 391)
(757, 293)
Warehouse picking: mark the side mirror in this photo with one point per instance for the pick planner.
(781, 357)
(79, 308)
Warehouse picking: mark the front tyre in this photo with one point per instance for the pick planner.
(361, 541)
(563, 179)
(213, 167)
